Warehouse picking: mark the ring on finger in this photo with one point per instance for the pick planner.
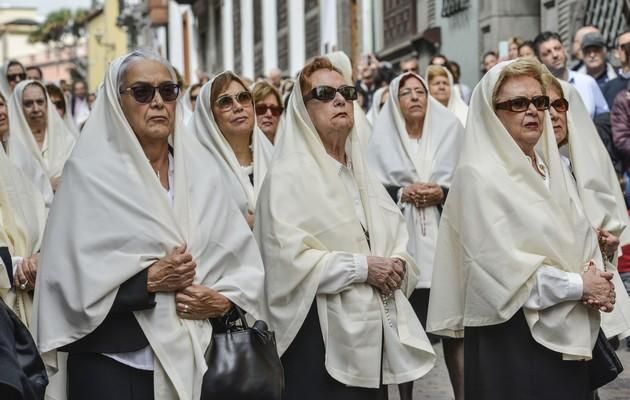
(186, 308)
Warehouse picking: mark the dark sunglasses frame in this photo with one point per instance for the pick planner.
(560, 105)
(261, 109)
(243, 98)
(13, 77)
(59, 104)
(327, 93)
(514, 106)
(166, 94)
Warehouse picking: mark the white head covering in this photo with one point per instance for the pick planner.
(67, 118)
(5, 88)
(298, 235)
(111, 185)
(375, 109)
(499, 225)
(397, 163)
(186, 105)
(39, 165)
(210, 136)
(600, 193)
(341, 61)
(22, 220)
(456, 104)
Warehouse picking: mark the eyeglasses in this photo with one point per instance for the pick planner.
(560, 105)
(327, 93)
(261, 109)
(144, 93)
(16, 77)
(226, 102)
(521, 103)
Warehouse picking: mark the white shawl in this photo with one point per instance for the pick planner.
(23, 150)
(341, 61)
(4, 82)
(210, 136)
(68, 120)
(376, 103)
(600, 194)
(22, 221)
(396, 163)
(305, 214)
(111, 185)
(186, 105)
(499, 225)
(456, 104)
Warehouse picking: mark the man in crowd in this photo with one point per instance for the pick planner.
(550, 51)
(34, 73)
(79, 104)
(489, 60)
(614, 86)
(275, 78)
(576, 48)
(409, 64)
(595, 59)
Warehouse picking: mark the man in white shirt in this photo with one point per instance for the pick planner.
(79, 104)
(550, 51)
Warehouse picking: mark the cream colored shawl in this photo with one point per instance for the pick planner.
(304, 215)
(456, 104)
(111, 219)
(209, 134)
(23, 150)
(376, 103)
(22, 221)
(396, 163)
(341, 61)
(67, 118)
(499, 225)
(600, 194)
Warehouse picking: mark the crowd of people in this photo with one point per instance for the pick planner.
(364, 212)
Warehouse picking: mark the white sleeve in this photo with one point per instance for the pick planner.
(17, 262)
(554, 286)
(400, 203)
(342, 271)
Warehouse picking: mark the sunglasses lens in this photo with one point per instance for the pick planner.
(143, 93)
(275, 111)
(348, 92)
(324, 93)
(169, 92)
(244, 98)
(560, 105)
(541, 102)
(224, 102)
(520, 104)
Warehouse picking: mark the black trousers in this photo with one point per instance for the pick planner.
(305, 375)
(504, 362)
(93, 376)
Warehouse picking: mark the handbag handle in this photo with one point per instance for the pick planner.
(241, 316)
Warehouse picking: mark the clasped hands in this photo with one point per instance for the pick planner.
(423, 195)
(175, 273)
(598, 289)
(386, 274)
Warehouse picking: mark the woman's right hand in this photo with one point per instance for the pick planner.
(174, 272)
(598, 289)
(385, 274)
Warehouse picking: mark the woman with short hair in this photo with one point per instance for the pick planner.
(522, 278)
(337, 270)
(442, 88)
(143, 246)
(268, 107)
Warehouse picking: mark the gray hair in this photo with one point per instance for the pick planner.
(139, 55)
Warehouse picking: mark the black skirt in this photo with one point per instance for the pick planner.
(305, 375)
(505, 362)
(419, 300)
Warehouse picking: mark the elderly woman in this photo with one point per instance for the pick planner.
(224, 123)
(40, 142)
(337, 270)
(268, 106)
(12, 73)
(131, 300)
(59, 101)
(414, 155)
(596, 183)
(442, 88)
(522, 276)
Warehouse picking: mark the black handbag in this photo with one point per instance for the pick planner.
(243, 363)
(605, 366)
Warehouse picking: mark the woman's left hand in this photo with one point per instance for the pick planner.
(26, 273)
(430, 195)
(607, 242)
(201, 302)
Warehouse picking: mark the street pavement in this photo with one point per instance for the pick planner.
(436, 385)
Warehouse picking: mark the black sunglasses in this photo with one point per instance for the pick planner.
(226, 102)
(560, 105)
(59, 104)
(15, 77)
(144, 93)
(520, 104)
(327, 93)
(261, 109)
